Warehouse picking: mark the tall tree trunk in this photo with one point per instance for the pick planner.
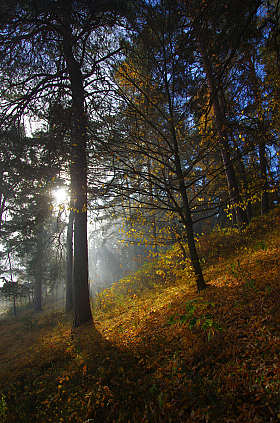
(185, 212)
(38, 296)
(264, 181)
(81, 302)
(245, 183)
(187, 220)
(233, 190)
(153, 217)
(2, 196)
(39, 275)
(129, 224)
(69, 273)
(256, 84)
(15, 305)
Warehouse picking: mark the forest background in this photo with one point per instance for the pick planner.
(139, 153)
(158, 119)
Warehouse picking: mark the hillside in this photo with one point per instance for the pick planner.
(163, 353)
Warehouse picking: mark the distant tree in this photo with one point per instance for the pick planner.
(17, 156)
(269, 56)
(219, 30)
(27, 184)
(13, 291)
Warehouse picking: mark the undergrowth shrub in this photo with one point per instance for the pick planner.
(28, 322)
(202, 322)
(221, 243)
(145, 278)
(105, 300)
(170, 267)
(3, 406)
(164, 270)
(21, 307)
(51, 319)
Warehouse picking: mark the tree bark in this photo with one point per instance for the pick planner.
(14, 304)
(187, 220)
(39, 275)
(2, 196)
(69, 274)
(242, 168)
(153, 217)
(38, 296)
(81, 302)
(264, 182)
(233, 190)
(256, 83)
(185, 212)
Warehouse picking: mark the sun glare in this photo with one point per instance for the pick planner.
(60, 195)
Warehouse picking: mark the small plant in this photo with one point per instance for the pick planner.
(243, 274)
(161, 398)
(261, 245)
(206, 322)
(184, 318)
(3, 406)
(210, 326)
(153, 388)
(29, 322)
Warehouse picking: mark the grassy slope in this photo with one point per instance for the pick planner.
(143, 362)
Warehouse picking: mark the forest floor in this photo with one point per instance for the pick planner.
(169, 355)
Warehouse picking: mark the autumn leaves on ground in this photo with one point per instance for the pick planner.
(164, 353)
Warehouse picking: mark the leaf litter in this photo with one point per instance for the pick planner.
(166, 355)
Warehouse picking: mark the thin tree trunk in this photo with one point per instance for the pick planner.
(39, 275)
(186, 212)
(264, 182)
(153, 218)
(38, 296)
(15, 306)
(129, 226)
(2, 197)
(245, 184)
(187, 220)
(69, 248)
